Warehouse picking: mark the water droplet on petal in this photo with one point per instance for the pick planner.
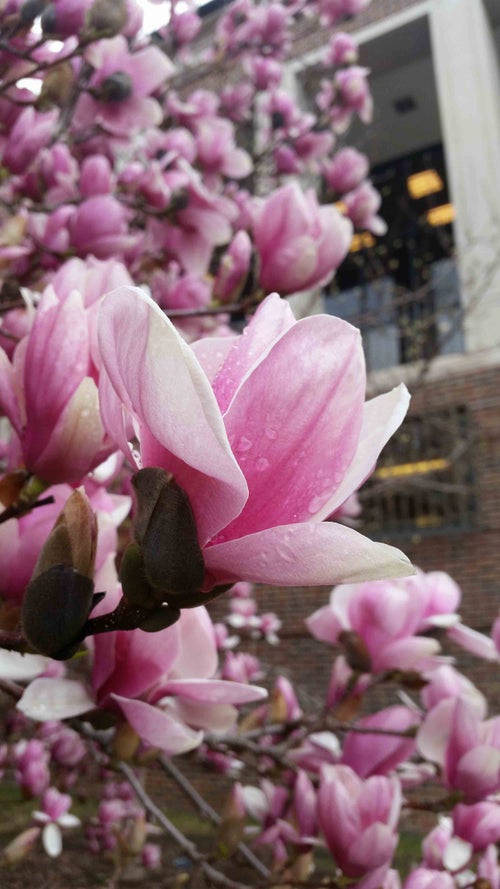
(262, 464)
(243, 444)
(315, 504)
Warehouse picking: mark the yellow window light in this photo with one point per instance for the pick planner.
(360, 241)
(420, 467)
(442, 215)
(424, 183)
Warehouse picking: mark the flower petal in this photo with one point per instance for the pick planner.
(19, 667)
(52, 840)
(47, 699)
(382, 416)
(294, 423)
(159, 729)
(214, 691)
(157, 378)
(305, 555)
(272, 319)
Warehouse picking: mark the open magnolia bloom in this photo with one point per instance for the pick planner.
(268, 434)
(162, 684)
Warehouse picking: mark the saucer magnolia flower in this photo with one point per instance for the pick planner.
(267, 450)
(120, 96)
(162, 684)
(49, 396)
(359, 821)
(53, 815)
(300, 243)
(466, 748)
(387, 616)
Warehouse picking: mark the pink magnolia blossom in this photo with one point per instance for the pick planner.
(217, 150)
(266, 73)
(30, 133)
(346, 171)
(95, 176)
(361, 207)
(488, 868)
(122, 85)
(100, 226)
(426, 878)
(379, 754)
(446, 682)
(441, 849)
(263, 455)
(233, 268)
(343, 50)
(49, 397)
(478, 824)
(359, 820)
(300, 244)
(352, 84)
(54, 814)
(202, 222)
(184, 26)
(387, 618)
(161, 683)
(466, 748)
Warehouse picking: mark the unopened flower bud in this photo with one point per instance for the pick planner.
(56, 606)
(106, 18)
(73, 539)
(115, 88)
(355, 650)
(56, 86)
(60, 595)
(21, 845)
(165, 531)
(125, 741)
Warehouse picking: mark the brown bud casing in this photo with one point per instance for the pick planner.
(73, 539)
(165, 531)
(56, 606)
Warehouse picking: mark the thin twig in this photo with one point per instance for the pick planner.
(186, 845)
(207, 810)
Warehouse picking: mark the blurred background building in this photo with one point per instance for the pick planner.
(426, 295)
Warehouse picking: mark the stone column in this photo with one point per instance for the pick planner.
(468, 85)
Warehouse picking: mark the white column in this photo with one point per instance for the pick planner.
(468, 86)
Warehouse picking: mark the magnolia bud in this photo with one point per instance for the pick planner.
(125, 742)
(60, 595)
(356, 652)
(165, 531)
(21, 845)
(56, 86)
(106, 18)
(73, 539)
(56, 606)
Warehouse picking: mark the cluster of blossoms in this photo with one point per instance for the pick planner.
(105, 153)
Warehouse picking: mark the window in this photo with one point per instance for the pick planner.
(402, 290)
(424, 479)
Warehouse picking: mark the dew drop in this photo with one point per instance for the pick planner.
(315, 504)
(262, 464)
(243, 444)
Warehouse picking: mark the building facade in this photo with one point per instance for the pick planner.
(427, 298)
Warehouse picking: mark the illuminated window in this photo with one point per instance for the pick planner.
(424, 479)
(402, 290)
